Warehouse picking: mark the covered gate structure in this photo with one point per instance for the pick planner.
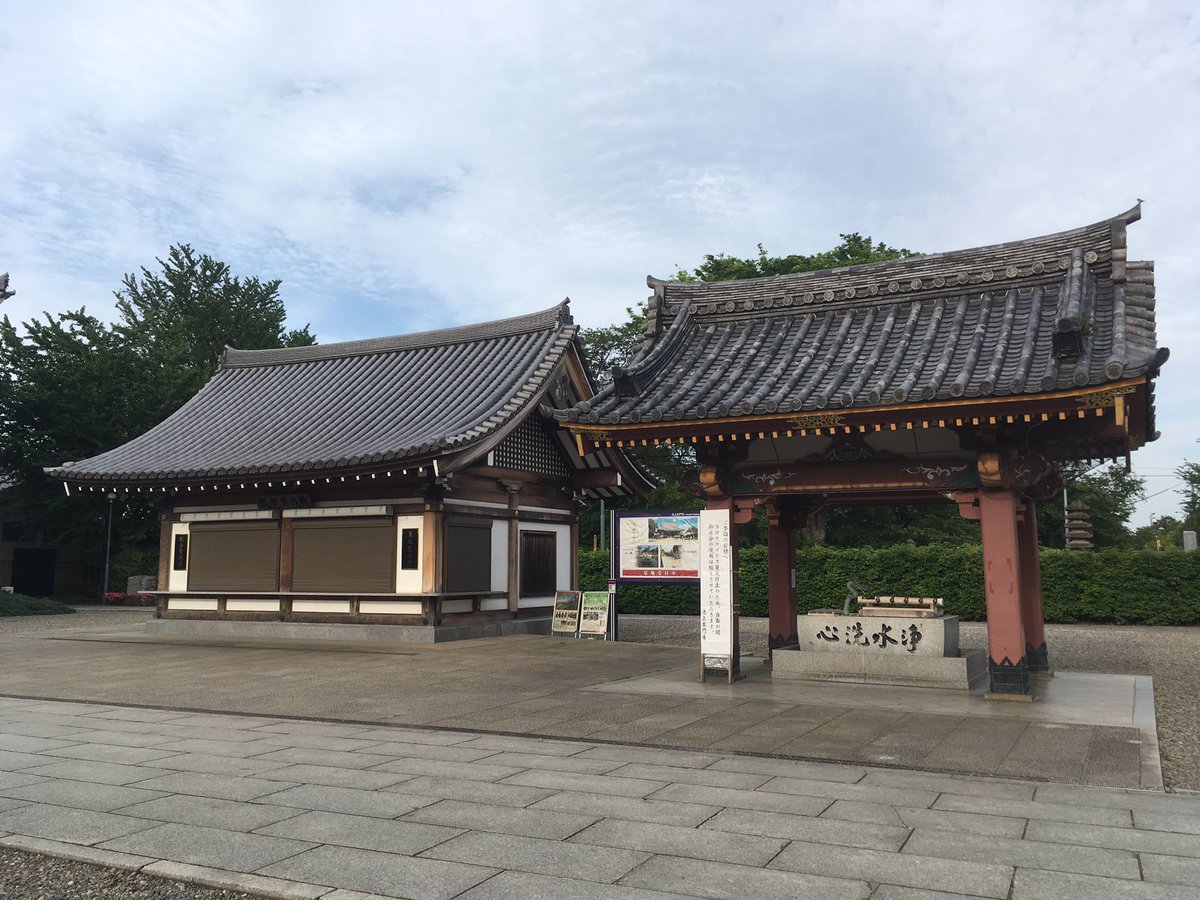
(959, 377)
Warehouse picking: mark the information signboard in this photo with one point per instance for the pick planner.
(657, 547)
(716, 592)
(593, 618)
(565, 619)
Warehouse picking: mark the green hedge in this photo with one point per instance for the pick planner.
(1124, 587)
(22, 605)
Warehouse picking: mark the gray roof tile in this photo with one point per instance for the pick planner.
(325, 407)
(1050, 313)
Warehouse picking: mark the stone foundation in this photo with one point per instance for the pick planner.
(316, 631)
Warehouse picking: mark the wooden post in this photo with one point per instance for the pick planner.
(514, 545)
(433, 542)
(1032, 615)
(781, 592)
(287, 553)
(1007, 665)
(166, 553)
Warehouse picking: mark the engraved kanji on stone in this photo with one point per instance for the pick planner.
(856, 637)
(910, 637)
(884, 637)
(828, 633)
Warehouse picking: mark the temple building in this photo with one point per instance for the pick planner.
(958, 377)
(409, 481)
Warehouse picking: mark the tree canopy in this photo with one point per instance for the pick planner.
(73, 386)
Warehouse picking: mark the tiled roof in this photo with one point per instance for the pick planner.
(360, 403)
(1023, 318)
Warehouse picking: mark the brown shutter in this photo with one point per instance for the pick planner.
(341, 556)
(538, 563)
(468, 555)
(234, 556)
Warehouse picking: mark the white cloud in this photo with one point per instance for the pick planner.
(405, 166)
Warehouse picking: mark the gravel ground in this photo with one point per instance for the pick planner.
(31, 876)
(1170, 655)
(85, 617)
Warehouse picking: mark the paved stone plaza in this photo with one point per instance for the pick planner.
(1086, 729)
(301, 808)
(544, 767)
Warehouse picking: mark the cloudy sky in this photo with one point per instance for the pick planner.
(403, 166)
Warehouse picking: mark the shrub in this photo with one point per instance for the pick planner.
(1124, 587)
(22, 605)
(116, 599)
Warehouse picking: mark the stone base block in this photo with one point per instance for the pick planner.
(881, 635)
(316, 631)
(962, 672)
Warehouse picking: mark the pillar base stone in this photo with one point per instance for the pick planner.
(1009, 678)
(1037, 659)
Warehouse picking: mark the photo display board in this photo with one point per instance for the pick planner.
(593, 619)
(716, 590)
(565, 619)
(656, 546)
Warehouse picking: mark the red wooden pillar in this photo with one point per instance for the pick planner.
(1036, 657)
(1007, 665)
(781, 589)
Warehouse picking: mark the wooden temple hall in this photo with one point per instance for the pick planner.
(409, 481)
(953, 378)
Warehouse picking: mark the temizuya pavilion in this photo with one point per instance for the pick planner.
(958, 377)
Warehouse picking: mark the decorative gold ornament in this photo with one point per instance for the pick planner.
(1104, 398)
(990, 474)
(818, 420)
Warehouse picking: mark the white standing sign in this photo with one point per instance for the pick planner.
(716, 590)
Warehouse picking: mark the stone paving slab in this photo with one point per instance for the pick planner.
(531, 817)
(1086, 729)
(82, 794)
(382, 873)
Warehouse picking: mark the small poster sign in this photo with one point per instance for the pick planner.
(593, 619)
(565, 619)
(656, 547)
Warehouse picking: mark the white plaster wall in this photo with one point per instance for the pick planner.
(209, 605)
(500, 557)
(408, 581)
(321, 606)
(177, 581)
(252, 606)
(388, 607)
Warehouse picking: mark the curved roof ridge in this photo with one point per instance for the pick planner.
(1127, 217)
(542, 320)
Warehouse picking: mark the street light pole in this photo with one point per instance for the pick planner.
(108, 543)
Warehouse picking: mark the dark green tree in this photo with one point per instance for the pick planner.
(180, 318)
(1189, 472)
(852, 251)
(72, 386)
(1112, 496)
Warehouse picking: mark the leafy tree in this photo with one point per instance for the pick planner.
(852, 251)
(181, 318)
(614, 344)
(1112, 496)
(1189, 472)
(1163, 533)
(919, 524)
(72, 386)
